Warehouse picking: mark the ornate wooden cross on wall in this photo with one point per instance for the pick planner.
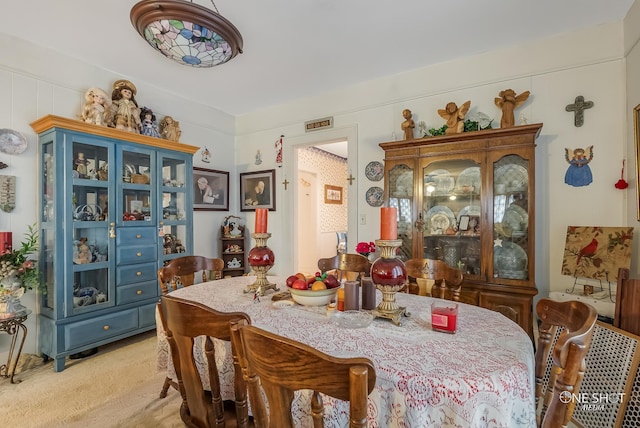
(350, 179)
(578, 108)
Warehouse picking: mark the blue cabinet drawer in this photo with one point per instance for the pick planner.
(98, 329)
(136, 292)
(136, 273)
(147, 315)
(137, 236)
(138, 254)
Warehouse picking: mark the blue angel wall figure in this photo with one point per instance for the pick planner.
(578, 174)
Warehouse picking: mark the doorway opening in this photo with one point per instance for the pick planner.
(322, 202)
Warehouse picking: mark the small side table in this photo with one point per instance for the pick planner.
(12, 326)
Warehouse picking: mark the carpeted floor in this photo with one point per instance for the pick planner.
(117, 387)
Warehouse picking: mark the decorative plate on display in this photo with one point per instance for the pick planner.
(517, 219)
(469, 180)
(441, 180)
(375, 196)
(374, 171)
(439, 219)
(12, 142)
(513, 177)
(511, 259)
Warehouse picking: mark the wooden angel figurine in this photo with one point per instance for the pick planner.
(408, 125)
(454, 116)
(508, 101)
(95, 108)
(170, 129)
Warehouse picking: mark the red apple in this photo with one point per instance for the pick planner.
(299, 284)
(311, 281)
(331, 281)
(291, 280)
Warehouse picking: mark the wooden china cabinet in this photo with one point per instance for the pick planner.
(468, 199)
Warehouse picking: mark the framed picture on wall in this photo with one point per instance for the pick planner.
(257, 190)
(211, 190)
(332, 194)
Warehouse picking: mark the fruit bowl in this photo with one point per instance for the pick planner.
(313, 298)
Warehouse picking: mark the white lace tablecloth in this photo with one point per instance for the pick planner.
(482, 376)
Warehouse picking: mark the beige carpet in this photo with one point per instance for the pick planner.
(117, 387)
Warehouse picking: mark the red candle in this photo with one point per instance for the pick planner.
(261, 220)
(444, 317)
(6, 241)
(388, 223)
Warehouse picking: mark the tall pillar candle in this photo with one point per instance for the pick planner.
(6, 241)
(261, 220)
(388, 223)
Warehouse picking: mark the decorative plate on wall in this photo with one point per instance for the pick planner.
(374, 171)
(12, 142)
(375, 196)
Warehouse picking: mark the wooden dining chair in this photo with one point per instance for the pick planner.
(181, 272)
(447, 280)
(186, 321)
(347, 266)
(564, 363)
(279, 366)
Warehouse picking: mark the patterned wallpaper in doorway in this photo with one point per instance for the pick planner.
(330, 169)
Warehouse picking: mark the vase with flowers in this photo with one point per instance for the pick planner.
(18, 273)
(366, 249)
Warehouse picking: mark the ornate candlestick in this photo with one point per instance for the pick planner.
(261, 259)
(389, 274)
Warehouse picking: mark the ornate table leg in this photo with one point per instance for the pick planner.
(12, 327)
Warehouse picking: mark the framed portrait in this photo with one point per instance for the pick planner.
(257, 190)
(211, 190)
(332, 194)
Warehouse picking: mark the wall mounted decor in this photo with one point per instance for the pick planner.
(636, 136)
(578, 174)
(578, 108)
(211, 190)
(597, 252)
(374, 171)
(332, 194)
(12, 142)
(257, 190)
(375, 196)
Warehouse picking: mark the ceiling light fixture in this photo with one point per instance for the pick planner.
(187, 33)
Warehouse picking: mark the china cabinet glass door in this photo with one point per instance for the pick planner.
(137, 179)
(452, 212)
(92, 243)
(401, 196)
(173, 226)
(511, 218)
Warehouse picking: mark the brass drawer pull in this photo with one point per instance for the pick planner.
(105, 328)
(138, 254)
(138, 236)
(139, 292)
(138, 273)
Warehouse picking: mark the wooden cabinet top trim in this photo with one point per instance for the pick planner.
(486, 134)
(48, 122)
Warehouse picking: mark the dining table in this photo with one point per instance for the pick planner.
(480, 376)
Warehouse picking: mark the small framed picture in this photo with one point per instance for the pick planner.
(136, 206)
(211, 190)
(332, 194)
(257, 190)
(464, 222)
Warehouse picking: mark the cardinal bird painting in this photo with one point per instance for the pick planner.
(597, 252)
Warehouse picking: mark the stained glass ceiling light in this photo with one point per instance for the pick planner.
(187, 33)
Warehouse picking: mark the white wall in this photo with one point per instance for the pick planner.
(556, 70)
(35, 82)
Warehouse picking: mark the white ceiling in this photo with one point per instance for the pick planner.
(297, 48)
